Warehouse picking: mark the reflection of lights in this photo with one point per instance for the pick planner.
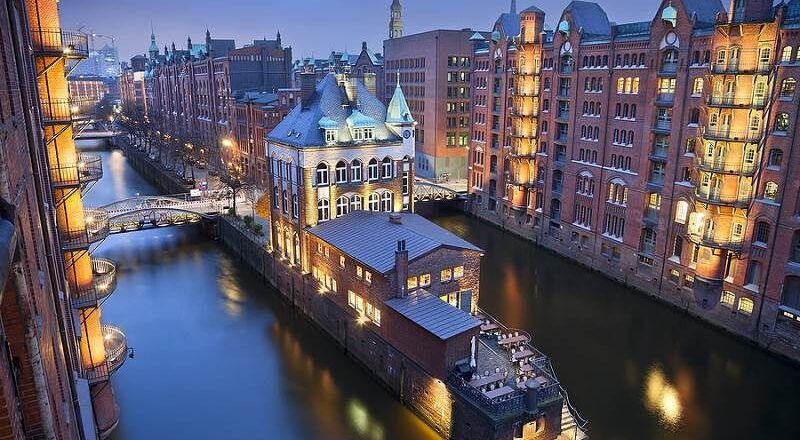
(662, 397)
(362, 319)
(74, 109)
(227, 143)
(107, 336)
(90, 219)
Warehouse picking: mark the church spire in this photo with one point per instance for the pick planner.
(153, 50)
(513, 7)
(396, 20)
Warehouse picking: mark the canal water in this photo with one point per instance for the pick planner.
(219, 356)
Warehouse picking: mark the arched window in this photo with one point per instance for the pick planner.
(342, 206)
(295, 206)
(386, 168)
(788, 87)
(356, 203)
(761, 234)
(275, 199)
(782, 122)
(786, 54)
(355, 171)
(555, 209)
(322, 174)
(648, 244)
(694, 116)
(697, 86)
(387, 202)
(285, 202)
(374, 202)
(323, 210)
(771, 191)
(681, 212)
(296, 255)
(341, 172)
(373, 169)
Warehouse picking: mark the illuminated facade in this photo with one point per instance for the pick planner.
(658, 153)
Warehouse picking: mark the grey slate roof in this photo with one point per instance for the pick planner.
(589, 17)
(509, 24)
(434, 315)
(371, 239)
(706, 10)
(301, 128)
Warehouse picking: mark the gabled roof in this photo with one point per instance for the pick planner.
(370, 238)
(509, 24)
(398, 111)
(301, 127)
(705, 10)
(434, 315)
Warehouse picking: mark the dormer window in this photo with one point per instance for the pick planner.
(330, 136)
(364, 134)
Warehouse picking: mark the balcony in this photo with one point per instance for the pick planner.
(665, 98)
(96, 229)
(721, 166)
(655, 182)
(104, 282)
(659, 153)
(663, 126)
(60, 43)
(729, 101)
(715, 198)
(527, 92)
(741, 68)
(89, 169)
(566, 70)
(651, 215)
(732, 244)
(67, 111)
(726, 134)
(668, 69)
(116, 345)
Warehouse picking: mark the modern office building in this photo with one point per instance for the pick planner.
(659, 153)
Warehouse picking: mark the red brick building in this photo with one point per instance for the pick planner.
(366, 66)
(658, 153)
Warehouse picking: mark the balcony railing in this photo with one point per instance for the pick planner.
(116, 346)
(526, 91)
(665, 98)
(721, 166)
(651, 214)
(659, 153)
(88, 169)
(566, 70)
(726, 134)
(61, 111)
(734, 244)
(663, 125)
(104, 283)
(716, 198)
(59, 42)
(96, 229)
(740, 67)
(668, 68)
(732, 101)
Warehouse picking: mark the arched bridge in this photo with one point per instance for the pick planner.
(146, 212)
(427, 191)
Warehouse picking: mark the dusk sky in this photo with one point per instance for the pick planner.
(309, 26)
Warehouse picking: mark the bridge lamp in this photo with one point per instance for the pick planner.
(74, 109)
(227, 143)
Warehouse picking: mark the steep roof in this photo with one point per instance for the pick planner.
(705, 10)
(589, 17)
(509, 24)
(398, 111)
(369, 237)
(301, 127)
(434, 315)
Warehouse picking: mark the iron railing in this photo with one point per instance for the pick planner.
(96, 229)
(734, 244)
(116, 347)
(742, 67)
(726, 134)
(88, 169)
(61, 111)
(721, 166)
(715, 198)
(733, 101)
(59, 42)
(103, 284)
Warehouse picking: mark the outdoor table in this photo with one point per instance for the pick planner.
(483, 381)
(506, 342)
(499, 392)
(521, 355)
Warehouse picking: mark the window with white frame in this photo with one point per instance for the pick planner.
(323, 210)
(322, 174)
(341, 172)
(373, 170)
(355, 171)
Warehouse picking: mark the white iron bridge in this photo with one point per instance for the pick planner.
(146, 212)
(427, 191)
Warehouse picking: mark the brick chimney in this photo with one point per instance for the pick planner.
(401, 268)
(395, 218)
(351, 88)
(308, 84)
(371, 82)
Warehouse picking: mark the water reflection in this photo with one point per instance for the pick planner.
(662, 398)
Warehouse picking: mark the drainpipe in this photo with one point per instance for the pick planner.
(32, 344)
(39, 179)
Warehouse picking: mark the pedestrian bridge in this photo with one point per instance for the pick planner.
(147, 212)
(427, 191)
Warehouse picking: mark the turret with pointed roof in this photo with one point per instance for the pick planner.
(398, 111)
(396, 20)
(153, 50)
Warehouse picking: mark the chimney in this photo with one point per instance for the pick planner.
(395, 218)
(401, 268)
(363, 46)
(351, 88)
(308, 84)
(371, 82)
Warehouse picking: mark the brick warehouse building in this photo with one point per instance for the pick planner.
(657, 152)
(58, 355)
(192, 93)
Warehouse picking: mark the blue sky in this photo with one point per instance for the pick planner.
(309, 26)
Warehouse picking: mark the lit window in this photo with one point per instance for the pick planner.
(728, 298)
(412, 283)
(746, 305)
(697, 86)
(682, 212)
(359, 272)
(458, 272)
(447, 275)
(341, 261)
(368, 277)
(425, 280)
(359, 303)
(351, 298)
